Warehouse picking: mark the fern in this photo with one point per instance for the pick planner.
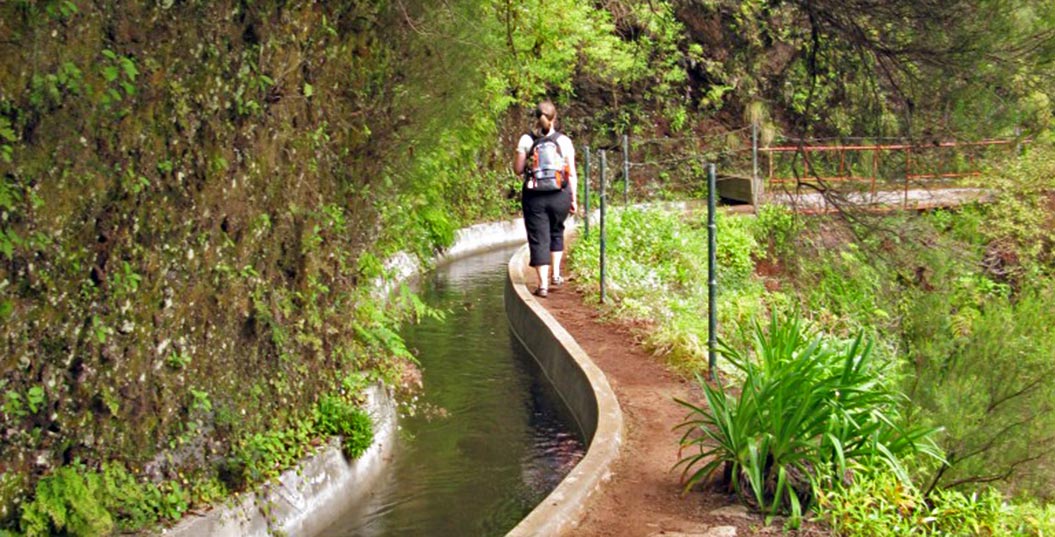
(67, 501)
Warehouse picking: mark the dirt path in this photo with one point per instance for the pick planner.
(644, 497)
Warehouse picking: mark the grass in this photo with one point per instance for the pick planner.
(656, 274)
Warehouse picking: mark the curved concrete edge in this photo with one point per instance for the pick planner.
(310, 497)
(482, 237)
(472, 240)
(584, 389)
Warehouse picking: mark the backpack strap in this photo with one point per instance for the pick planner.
(554, 136)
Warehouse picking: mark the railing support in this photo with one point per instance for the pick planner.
(712, 278)
(626, 170)
(586, 194)
(604, 161)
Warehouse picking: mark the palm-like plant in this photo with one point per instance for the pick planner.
(808, 405)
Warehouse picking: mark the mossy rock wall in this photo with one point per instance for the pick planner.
(186, 188)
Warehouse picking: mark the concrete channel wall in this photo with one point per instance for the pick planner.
(307, 499)
(587, 394)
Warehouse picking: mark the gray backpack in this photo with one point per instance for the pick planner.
(546, 170)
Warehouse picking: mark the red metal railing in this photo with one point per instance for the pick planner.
(843, 173)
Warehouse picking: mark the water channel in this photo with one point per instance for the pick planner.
(487, 439)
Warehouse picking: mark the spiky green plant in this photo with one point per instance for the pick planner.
(809, 406)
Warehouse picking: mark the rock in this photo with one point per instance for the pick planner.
(733, 511)
(721, 531)
(716, 531)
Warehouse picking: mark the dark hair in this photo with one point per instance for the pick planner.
(545, 117)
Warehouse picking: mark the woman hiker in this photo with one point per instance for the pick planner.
(546, 159)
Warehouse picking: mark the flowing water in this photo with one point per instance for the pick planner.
(487, 439)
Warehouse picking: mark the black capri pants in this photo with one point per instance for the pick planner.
(544, 216)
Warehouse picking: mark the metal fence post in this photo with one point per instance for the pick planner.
(586, 194)
(603, 203)
(626, 170)
(756, 183)
(712, 278)
(908, 171)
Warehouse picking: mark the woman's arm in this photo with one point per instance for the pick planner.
(519, 161)
(573, 182)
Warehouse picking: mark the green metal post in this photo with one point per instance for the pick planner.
(712, 278)
(626, 170)
(756, 183)
(586, 194)
(601, 179)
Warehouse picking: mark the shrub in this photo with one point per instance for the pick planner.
(879, 504)
(809, 407)
(336, 416)
(982, 367)
(777, 227)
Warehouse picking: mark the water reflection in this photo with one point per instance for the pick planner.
(489, 438)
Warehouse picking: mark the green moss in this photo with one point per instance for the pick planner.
(11, 495)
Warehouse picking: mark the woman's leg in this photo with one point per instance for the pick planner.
(537, 224)
(558, 213)
(543, 276)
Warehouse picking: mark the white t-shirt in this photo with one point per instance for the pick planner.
(567, 150)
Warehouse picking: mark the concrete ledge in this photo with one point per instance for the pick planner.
(481, 237)
(309, 498)
(584, 389)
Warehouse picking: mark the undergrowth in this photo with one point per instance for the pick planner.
(953, 300)
(656, 273)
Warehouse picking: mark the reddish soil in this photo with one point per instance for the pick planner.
(644, 496)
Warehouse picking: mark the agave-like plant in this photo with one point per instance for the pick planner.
(807, 407)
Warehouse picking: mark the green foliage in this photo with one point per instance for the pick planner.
(135, 504)
(846, 289)
(263, 456)
(809, 407)
(68, 501)
(778, 228)
(878, 504)
(74, 500)
(178, 360)
(7, 138)
(303, 143)
(656, 273)
(48, 91)
(982, 370)
(1017, 225)
(737, 249)
(336, 416)
(119, 72)
(547, 41)
(17, 405)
